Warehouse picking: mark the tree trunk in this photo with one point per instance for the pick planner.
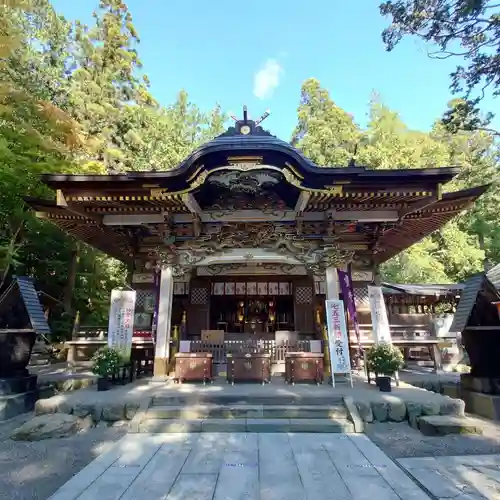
(70, 285)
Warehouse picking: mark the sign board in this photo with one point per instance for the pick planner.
(380, 322)
(121, 321)
(362, 275)
(338, 340)
(143, 278)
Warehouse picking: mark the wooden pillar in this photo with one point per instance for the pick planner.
(162, 348)
(332, 284)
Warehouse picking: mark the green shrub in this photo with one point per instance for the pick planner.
(106, 361)
(384, 359)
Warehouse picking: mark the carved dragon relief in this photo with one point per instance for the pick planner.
(279, 238)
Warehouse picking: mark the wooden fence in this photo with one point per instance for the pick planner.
(219, 350)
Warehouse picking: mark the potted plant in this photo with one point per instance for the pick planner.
(105, 362)
(384, 360)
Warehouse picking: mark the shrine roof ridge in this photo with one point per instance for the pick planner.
(439, 174)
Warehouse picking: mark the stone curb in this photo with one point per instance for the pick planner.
(359, 425)
(139, 415)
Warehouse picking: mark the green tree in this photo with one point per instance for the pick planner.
(388, 143)
(161, 138)
(465, 29)
(325, 133)
(106, 82)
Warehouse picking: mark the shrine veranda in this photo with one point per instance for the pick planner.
(243, 239)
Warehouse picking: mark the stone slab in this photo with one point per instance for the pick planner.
(16, 404)
(17, 385)
(460, 478)
(485, 405)
(268, 425)
(236, 466)
(245, 411)
(441, 425)
(320, 425)
(224, 425)
(167, 425)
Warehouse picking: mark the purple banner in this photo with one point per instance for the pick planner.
(345, 281)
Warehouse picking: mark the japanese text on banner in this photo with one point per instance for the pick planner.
(121, 321)
(337, 337)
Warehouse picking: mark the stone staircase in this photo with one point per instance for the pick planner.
(229, 413)
(41, 355)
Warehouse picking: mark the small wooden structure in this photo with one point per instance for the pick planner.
(477, 322)
(22, 315)
(21, 321)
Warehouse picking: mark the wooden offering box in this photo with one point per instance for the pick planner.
(304, 367)
(193, 367)
(249, 368)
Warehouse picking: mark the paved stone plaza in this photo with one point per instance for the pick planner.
(242, 466)
(461, 478)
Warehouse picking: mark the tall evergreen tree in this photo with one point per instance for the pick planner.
(325, 132)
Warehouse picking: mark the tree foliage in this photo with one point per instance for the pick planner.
(74, 99)
(459, 248)
(465, 29)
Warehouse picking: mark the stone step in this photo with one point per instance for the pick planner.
(247, 411)
(157, 426)
(231, 400)
(441, 425)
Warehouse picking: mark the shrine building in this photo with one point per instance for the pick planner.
(245, 236)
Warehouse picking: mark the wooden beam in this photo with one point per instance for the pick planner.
(420, 205)
(251, 216)
(192, 205)
(302, 202)
(75, 209)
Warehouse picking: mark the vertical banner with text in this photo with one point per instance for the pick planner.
(380, 322)
(338, 341)
(345, 280)
(121, 321)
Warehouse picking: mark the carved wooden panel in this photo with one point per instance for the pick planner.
(303, 305)
(198, 310)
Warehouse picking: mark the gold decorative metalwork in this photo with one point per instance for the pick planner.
(158, 192)
(290, 177)
(294, 171)
(237, 160)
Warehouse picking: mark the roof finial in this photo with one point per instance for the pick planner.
(263, 117)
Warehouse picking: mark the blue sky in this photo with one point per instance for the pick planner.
(259, 52)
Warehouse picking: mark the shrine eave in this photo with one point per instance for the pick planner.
(391, 239)
(179, 180)
(423, 223)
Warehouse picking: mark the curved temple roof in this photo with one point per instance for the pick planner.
(247, 176)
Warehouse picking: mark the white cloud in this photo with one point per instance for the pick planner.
(267, 79)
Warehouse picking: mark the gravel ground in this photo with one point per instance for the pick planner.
(35, 470)
(399, 440)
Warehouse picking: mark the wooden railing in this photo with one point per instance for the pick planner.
(220, 350)
(101, 333)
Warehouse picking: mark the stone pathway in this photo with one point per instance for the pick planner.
(237, 466)
(461, 478)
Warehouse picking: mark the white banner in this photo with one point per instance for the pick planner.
(338, 341)
(121, 321)
(380, 323)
